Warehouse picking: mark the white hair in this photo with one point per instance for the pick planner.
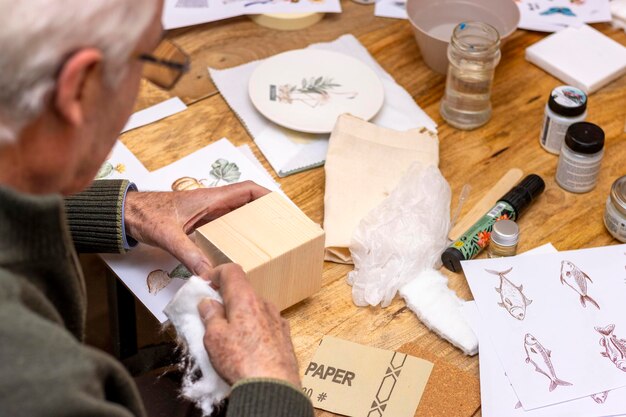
(36, 36)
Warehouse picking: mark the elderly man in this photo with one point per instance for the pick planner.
(69, 73)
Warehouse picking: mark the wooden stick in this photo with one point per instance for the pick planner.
(512, 177)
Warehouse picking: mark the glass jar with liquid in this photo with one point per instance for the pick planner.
(473, 54)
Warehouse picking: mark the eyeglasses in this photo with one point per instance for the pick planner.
(166, 65)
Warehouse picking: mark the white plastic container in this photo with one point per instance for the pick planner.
(566, 106)
(581, 155)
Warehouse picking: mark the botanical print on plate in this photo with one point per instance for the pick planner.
(313, 91)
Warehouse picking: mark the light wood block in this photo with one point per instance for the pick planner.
(277, 245)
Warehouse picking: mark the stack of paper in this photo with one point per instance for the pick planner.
(150, 273)
(551, 328)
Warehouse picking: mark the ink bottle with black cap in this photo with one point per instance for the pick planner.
(580, 159)
(477, 237)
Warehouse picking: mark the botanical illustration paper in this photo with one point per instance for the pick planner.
(150, 273)
(122, 164)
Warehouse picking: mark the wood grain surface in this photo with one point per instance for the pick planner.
(479, 157)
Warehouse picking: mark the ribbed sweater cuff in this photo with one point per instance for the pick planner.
(262, 397)
(95, 217)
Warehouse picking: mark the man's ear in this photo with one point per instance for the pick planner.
(73, 82)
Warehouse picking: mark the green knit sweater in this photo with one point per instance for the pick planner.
(45, 369)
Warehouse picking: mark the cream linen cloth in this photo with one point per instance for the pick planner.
(363, 165)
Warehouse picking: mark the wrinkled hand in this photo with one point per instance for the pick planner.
(246, 337)
(165, 219)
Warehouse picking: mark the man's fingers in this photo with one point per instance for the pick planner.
(186, 251)
(236, 291)
(216, 202)
(211, 311)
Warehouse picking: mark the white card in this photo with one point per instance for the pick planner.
(154, 113)
(573, 55)
(391, 8)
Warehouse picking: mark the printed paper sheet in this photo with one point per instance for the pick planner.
(498, 397)
(558, 323)
(180, 13)
(217, 164)
(554, 15)
(391, 8)
(122, 164)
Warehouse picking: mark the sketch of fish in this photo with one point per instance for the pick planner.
(575, 279)
(614, 348)
(513, 299)
(600, 397)
(540, 358)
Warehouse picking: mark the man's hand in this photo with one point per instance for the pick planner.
(246, 337)
(165, 219)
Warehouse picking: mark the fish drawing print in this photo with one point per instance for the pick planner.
(577, 280)
(600, 397)
(540, 357)
(513, 299)
(614, 348)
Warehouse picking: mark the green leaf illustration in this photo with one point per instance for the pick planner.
(180, 272)
(222, 170)
(105, 170)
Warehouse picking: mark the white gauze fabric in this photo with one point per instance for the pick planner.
(209, 388)
(439, 308)
(401, 237)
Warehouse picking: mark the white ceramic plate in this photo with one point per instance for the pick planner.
(306, 90)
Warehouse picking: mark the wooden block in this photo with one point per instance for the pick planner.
(277, 245)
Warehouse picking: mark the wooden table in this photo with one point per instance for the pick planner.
(476, 157)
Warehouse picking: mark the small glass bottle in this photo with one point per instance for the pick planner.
(580, 158)
(566, 106)
(615, 211)
(504, 238)
(473, 54)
